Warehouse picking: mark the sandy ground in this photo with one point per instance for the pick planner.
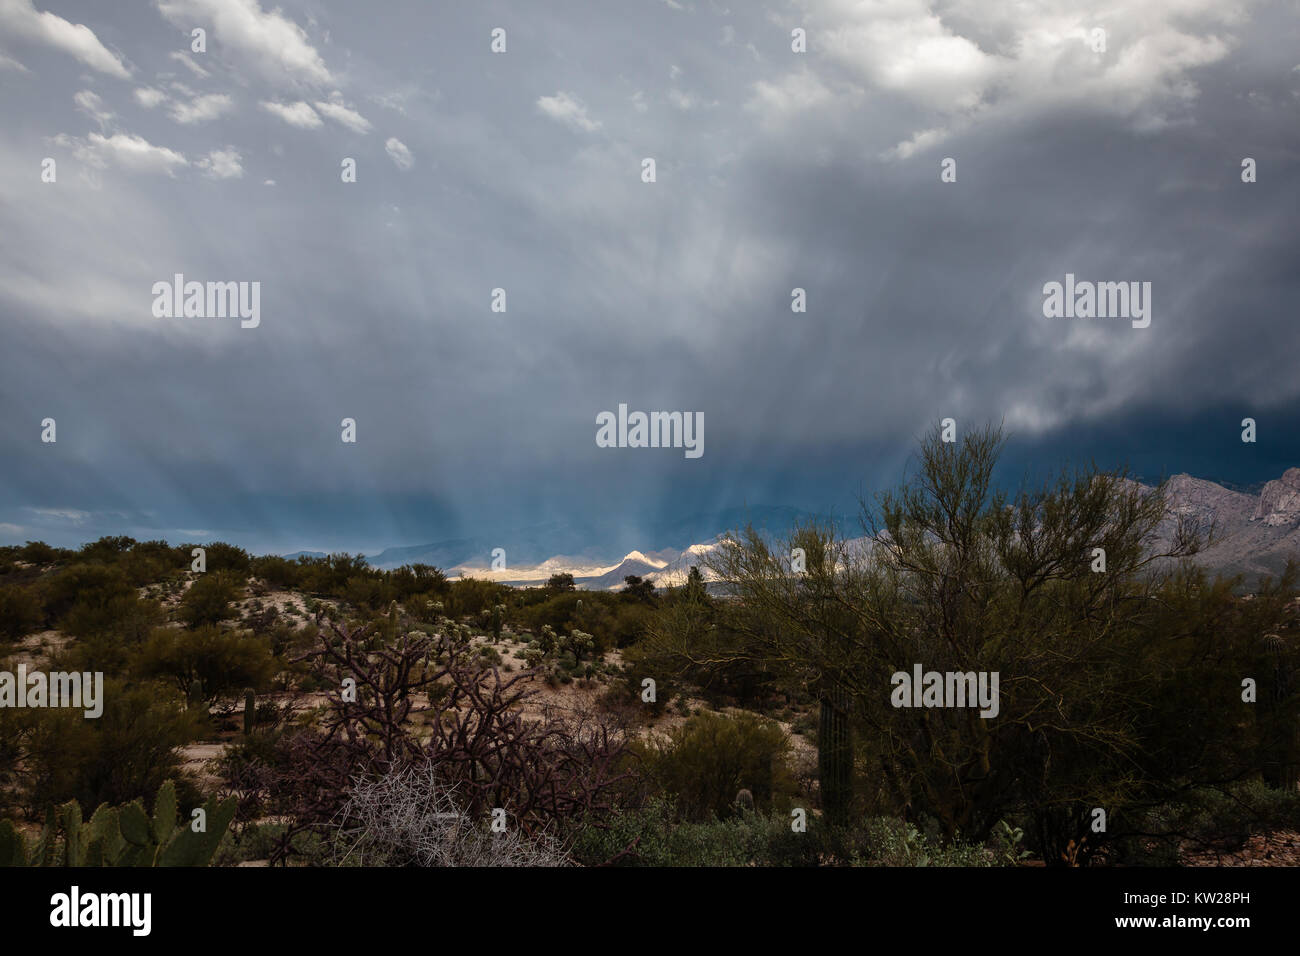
(34, 650)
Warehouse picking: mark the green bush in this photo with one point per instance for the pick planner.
(207, 663)
(208, 600)
(89, 587)
(704, 763)
(276, 571)
(651, 836)
(125, 753)
(20, 612)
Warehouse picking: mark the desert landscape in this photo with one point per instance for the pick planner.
(324, 712)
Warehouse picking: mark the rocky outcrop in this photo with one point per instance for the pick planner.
(1279, 502)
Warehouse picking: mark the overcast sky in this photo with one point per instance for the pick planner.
(522, 170)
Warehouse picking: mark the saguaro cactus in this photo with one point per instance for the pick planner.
(250, 711)
(835, 755)
(1279, 729)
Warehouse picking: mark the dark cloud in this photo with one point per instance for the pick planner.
(774, 171)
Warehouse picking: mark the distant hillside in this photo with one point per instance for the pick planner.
(1254, 534)
(564, 546)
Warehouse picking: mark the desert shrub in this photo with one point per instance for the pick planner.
(40, 554)
(411, 580)
(1214, 819)
(108, 636)
(220, 556)
(107, 550)
(90, 587)
(206, 664)
(364, 591)
(652, 836)
(696, 643)
(559, 612)
(409, 817)
(890, 841)
(127, 752)
(560, 582)
(123, 617)
(705, 762)
(257, 841)
(276, 571)
(208, 599)
(20, 611)
(151, 561)
(329, 575)
(471, 596)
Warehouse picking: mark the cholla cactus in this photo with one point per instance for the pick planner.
(547, 642)
(579, 642)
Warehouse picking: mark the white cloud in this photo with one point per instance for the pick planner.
(222, 164)
(90, 104)
(399, 154)
(9, 63)
(268, 182)
(567, 110)
(270, 43)
(298, 114)
(792, 93)
(148, 97)
(918, 142)
(186, 60)
(74, 515)
(904, 47)
(201, 109)
(125, 150)
(21, 18)
(685, 101)
(1009, 62)
(344, 115)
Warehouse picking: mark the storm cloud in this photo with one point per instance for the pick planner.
(522, 171)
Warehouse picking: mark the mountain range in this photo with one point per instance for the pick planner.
(1254, 534)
